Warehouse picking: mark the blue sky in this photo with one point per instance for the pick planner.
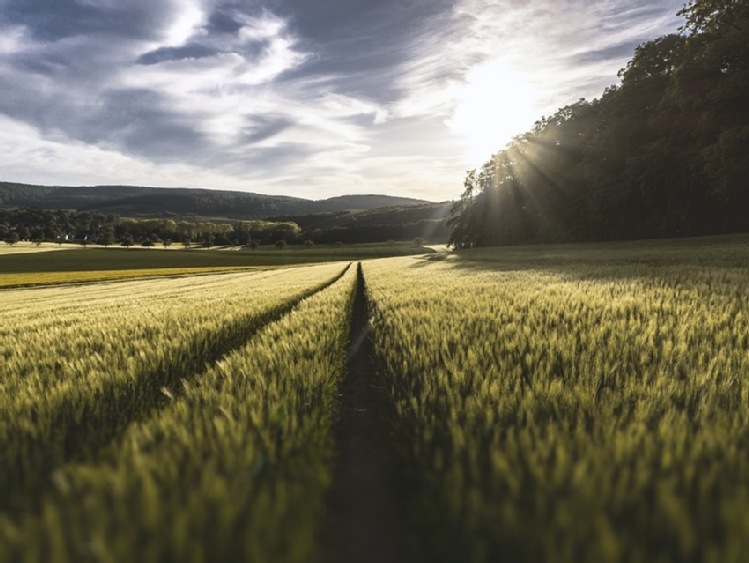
(312, 98)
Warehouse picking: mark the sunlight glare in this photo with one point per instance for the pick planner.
(496, 104)
(191, 17)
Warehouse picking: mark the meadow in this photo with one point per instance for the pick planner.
(561, 403)
(30, 266)
(578, 403)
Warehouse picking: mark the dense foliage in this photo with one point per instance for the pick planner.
(663, 154)
(427, 221)
(86, 227)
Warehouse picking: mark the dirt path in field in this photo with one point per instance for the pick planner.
(364, 524)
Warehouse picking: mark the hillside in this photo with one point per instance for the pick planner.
(139, 201)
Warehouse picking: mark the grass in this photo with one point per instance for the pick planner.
(234, 468)
(24, 247)
(141, 258)
(53, 278)
(80, 363)
(570, 404)
(102, 264)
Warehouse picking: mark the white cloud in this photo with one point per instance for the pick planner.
(58, 159)
(189, 16)
(254, 117)
(495, 66)
(11, 39)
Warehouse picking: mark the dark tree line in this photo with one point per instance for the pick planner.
(53, 224)
(426, 221)
(87, 227)
(430, 230)
(663, 154)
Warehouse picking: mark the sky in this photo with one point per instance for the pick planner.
(310, 98)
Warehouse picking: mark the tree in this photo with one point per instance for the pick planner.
(728, 169)
(459, 219)
(107, 238)
(308, 243)
(52, 232)
(280, 244)
(12, 238)
(127, 240)
(663, 154)
(285, 231)
(715, 16)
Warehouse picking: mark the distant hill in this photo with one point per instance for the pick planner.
(365, 202)
(139, 201)
(402, 222)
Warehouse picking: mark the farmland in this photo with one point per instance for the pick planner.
(30, 266)
(561, 403)
(570, 403)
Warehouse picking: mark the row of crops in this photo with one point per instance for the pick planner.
(570, 409)
(562, 406)
(150, 454)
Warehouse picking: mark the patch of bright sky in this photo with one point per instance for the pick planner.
(495, 104)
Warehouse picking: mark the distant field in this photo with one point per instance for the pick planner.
(730, 251)
(94, 264)
(571, 403)
(53, 278)
(26, 247)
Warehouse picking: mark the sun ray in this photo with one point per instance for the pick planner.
(497, 103)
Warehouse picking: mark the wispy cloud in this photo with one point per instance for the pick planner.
(492, 67)
(291, 96)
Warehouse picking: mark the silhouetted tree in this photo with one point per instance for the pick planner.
(107, 238)
(127, 240)
(662, 154)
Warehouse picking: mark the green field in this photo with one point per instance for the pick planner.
(105, 264)
(572, 403)
(576, 403)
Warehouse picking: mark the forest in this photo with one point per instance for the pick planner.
(662, 154)
(85, 227)
(426, 221)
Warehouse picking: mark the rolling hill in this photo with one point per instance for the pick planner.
(139, 201)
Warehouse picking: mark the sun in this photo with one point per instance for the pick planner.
(496, 103)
